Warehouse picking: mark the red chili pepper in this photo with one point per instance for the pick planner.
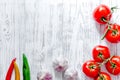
(10, 70)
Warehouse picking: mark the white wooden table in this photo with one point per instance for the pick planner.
(45, 29)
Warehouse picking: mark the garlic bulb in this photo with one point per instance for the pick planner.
(43, 75)
(71, 74)
(60, 64)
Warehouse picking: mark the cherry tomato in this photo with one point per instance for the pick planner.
(113, 34)
(103, 76)
(113, 65)
(91, 68)
(102, 13)
(100, 53)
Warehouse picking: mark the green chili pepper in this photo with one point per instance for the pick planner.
(26, 68)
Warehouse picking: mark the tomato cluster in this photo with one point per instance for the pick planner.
(102, 14)
(101, 56)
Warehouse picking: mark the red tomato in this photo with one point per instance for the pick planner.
(113, 65)
(100, 53)
(91, 68)
(103, 76)
(113, 35)
(102, 12)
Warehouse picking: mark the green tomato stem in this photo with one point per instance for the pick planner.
(113, 8)
(108, 22)
(106, 32)
(105, 61)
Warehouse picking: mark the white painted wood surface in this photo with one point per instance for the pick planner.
(45, 29)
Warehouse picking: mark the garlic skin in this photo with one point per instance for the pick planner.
(60, 64)
(43, 75)
(71, 74)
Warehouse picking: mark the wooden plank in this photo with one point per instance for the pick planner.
(47, 29)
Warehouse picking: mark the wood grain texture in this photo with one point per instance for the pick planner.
(46, 29)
